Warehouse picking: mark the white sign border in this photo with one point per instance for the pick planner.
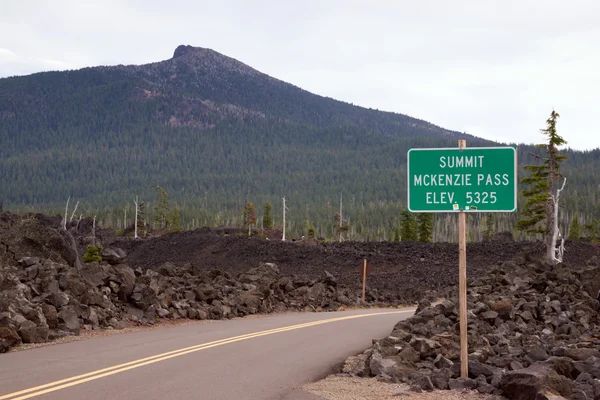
(514, 149)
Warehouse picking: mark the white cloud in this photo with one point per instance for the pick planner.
(12, 63)
(491, 68)
(7, 55)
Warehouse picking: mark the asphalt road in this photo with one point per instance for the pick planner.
(252, 358)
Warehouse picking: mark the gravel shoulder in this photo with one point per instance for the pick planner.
(337, 387)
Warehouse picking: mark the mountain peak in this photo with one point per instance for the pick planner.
(209, 61)
(183, 49)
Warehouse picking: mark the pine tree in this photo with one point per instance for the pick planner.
(593, 231)
(93, 254)
(162, 210)
(490, 227)
(575, 230)
(141, 220)
(409, 229)
(396, 234)
(311, 230)
(538, 217)
(267, 217)
(175, 221)
(249, 217)
(425, 227)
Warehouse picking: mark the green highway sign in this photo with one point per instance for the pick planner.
(471, 179)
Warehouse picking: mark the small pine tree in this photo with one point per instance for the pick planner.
(175, 221)
(490, 227)
(575, 230)
(311, 232)
(93, 254)
(162, 210)
(267, 217)
(425, 221)
(249, 217)
(141, 220)
(396, 234)
(593, 231)
(409, 229)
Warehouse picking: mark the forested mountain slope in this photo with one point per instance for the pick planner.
(214, 132)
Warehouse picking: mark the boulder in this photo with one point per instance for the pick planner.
(206, 293)
(32, 333)
(50, 314)
(388, 369)
(263, 276)
(124, 276)
(578, 354)
(441, 377)
(68, 320)
(525, 384)
(8, 339)
(57, 298)
(96, 273)
(143, 296)
(441, 362)
(462, 384)
(358, 365)
(425, 347)
(252, 300)
(29, 261)
(477, 369)
(546, 394)
(113, 255)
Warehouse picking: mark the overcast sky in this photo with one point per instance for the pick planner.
(494, 69)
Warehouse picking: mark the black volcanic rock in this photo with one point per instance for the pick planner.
(509, 355)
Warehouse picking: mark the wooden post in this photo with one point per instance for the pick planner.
(364, 288)
(283, 237)
(462, 278)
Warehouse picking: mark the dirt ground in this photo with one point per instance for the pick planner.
(352, 388)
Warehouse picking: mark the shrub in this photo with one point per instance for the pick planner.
(93, 254)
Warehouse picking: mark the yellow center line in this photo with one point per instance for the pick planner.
(101, 373)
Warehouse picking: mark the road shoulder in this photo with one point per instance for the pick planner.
(338, 387)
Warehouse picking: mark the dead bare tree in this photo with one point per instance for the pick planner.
(94, 232)
(74, 210)
(284, 210)
(135, 235)
(556, 253)
(341, 218)
(64, 224)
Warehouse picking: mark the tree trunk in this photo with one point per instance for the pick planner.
(553, 235)
(66, 214)
(135, 235)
